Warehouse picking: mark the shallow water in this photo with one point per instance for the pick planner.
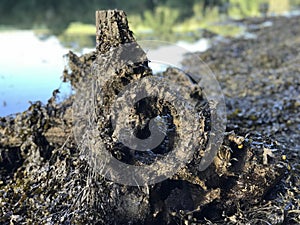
(30, 69)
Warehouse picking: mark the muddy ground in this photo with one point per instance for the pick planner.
(254, 179)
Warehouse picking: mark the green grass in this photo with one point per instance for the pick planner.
(77, 28)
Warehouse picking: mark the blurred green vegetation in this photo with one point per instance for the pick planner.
(165, 19)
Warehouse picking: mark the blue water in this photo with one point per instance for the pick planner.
(30, 69)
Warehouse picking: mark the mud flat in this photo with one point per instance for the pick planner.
(47, 177)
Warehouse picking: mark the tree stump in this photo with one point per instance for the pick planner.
(44, 171)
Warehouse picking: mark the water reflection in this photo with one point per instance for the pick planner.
(30, 69)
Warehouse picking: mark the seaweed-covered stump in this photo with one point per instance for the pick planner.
(47, 176)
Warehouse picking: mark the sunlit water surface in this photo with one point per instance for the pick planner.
(30, 69)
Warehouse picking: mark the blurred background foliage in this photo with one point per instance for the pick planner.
(165, 19)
